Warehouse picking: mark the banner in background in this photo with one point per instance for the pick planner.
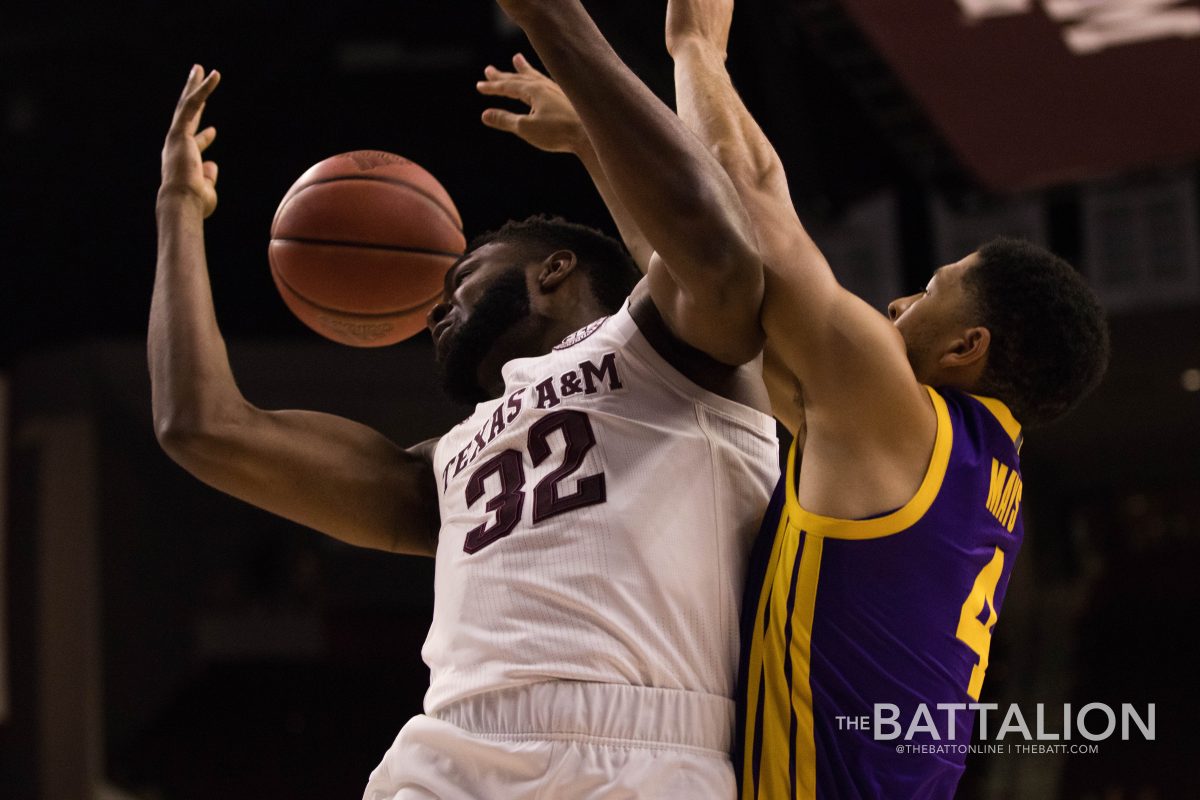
(1031, 93)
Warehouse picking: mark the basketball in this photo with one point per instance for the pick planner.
(360, 245)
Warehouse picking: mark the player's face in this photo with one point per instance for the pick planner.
(484, 298)
(931, 320)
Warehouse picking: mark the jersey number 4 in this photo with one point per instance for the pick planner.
(509, 464)
(978, 617)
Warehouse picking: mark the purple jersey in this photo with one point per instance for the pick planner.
(882, 618)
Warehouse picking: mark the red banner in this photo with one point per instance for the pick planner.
(1031, 93)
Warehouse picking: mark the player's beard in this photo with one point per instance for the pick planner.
(505, 303)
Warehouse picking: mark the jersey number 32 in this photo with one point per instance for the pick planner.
(509, 464)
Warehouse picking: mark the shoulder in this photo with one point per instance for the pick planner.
(425, 450)
(742, 384)
(990, 416)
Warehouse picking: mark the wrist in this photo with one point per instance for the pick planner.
(696, 45)
(581, 146)
(174, 199)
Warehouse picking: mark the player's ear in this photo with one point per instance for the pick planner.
(969, 349)
(555, 269)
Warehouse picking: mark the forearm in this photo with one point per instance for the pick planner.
(666, 180)
(711, 108)
(329, 473)
(797, 277)
(190, 377)
(635, 241)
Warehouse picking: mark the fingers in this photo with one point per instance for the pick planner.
(193, 79)
(205, 137)
(524, 67)
(524, 84)
(502, 120)
(504, 84)
(191, 103)
(210, 172)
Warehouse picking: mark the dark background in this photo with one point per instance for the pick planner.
(164, 641)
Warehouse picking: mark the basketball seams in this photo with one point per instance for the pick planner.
(380, 234)
(434, 201)
(348, 312)
(391, 248)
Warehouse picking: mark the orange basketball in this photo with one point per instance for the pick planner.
(360, 246)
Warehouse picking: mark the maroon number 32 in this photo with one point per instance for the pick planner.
(547, 502)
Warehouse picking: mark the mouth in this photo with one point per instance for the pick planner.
(439, 334)
(440, 329)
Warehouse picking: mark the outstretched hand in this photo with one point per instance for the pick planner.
(703, 21)
(551, 123)
(184, 172)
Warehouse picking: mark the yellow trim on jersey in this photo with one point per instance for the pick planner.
(802, 702)
(1005, 417)
(900, 519)
(770, 652)
(783, 549)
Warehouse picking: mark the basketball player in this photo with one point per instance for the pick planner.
(883, 563)
(591, 519)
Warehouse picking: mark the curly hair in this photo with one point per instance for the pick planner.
(1049, 336)
(610, 271)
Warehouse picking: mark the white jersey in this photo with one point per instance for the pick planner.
(596, 521)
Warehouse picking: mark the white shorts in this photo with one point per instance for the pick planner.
(563, 740)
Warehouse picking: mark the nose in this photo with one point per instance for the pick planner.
(899, 306)
(436, 315)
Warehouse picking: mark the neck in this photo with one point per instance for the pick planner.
(558, 329)
(964, 379)
(535, 336)
(565, 311)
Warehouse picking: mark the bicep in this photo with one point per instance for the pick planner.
(849, 358)
(326, 472)
(717, 314)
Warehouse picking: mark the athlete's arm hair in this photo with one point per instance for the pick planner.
(706, 277)
(319, 470)
(850, 360)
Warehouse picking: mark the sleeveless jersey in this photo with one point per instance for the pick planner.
(855, 630)
(596, 521)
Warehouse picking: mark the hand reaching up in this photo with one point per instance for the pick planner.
(551, 123)
(185, 173)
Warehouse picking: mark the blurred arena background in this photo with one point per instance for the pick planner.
(160, 640)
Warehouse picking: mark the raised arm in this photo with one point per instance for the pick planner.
(857, 384)
(551, 124)
(705, 278)
(329, 473)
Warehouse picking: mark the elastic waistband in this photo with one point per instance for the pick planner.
(578, 709)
